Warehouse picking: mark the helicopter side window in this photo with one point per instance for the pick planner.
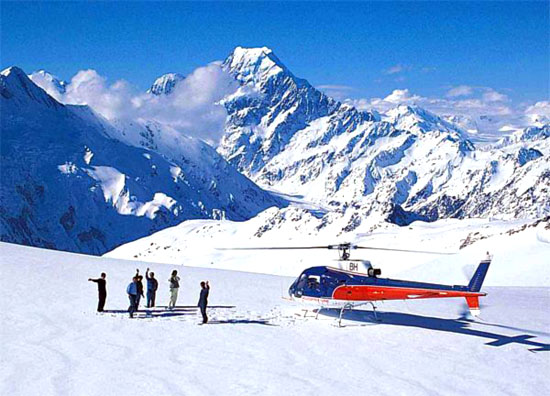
(313, 282)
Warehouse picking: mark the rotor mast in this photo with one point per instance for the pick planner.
(344, 250)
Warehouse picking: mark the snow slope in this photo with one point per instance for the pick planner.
(72, 181)
(521, 248)
(54, 342)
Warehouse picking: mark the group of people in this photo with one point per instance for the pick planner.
(135, 292)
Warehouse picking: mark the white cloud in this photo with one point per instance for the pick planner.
(194, 105)
(461, 90)
(401, 96)
(539, 112)
(491, 95)
(540, 108)
(442, 106)
(87, 87)
(395, 69)
(335, 86)
(339, 92)
(192, 108)
(487, 94)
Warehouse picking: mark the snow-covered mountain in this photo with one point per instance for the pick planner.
(72, 181)
(54, 86)
(165, 84)
(404, 165)
(355, 169)
(269, 108)
(482, 128)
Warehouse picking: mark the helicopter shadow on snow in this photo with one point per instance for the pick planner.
(460, 325)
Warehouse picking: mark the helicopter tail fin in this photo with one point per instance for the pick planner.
(479, 276)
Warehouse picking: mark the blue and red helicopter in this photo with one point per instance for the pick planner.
(352, 283)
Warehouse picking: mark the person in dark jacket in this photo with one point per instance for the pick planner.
(132, 291)
(203, 300)
(140, 288)
(152, 285)
(101, 290)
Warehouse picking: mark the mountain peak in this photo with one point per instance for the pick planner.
(253, 65)
(252, 53)
(49, 83)
(13, 71)
(405, 110)
(17, 87)
(165, 84)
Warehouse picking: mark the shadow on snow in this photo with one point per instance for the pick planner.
(188, 310)
(457, 326)
(242, 321)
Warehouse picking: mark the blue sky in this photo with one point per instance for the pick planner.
(373, 47)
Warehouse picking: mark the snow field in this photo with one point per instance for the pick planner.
(55, 344)
(520, 249)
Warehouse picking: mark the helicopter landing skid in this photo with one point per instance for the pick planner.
(351, 306)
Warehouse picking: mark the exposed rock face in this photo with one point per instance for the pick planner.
(404, 165)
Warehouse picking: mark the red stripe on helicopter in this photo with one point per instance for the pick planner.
(373, 293)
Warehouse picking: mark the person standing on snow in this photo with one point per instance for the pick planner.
(101, 290)
(152, 286)
(174, 288)
(132, 291)
(140, 290)
(203, 300)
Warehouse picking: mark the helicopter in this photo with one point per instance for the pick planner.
(353, 283)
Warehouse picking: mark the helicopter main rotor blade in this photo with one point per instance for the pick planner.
(277, 248)
(401, 250)
(341, 247)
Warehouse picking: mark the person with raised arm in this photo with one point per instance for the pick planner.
(101, 291)
(203, 300)
(152, 286)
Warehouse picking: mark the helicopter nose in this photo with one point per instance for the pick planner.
(292, 290)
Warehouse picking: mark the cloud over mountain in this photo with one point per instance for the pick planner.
(192, 107)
